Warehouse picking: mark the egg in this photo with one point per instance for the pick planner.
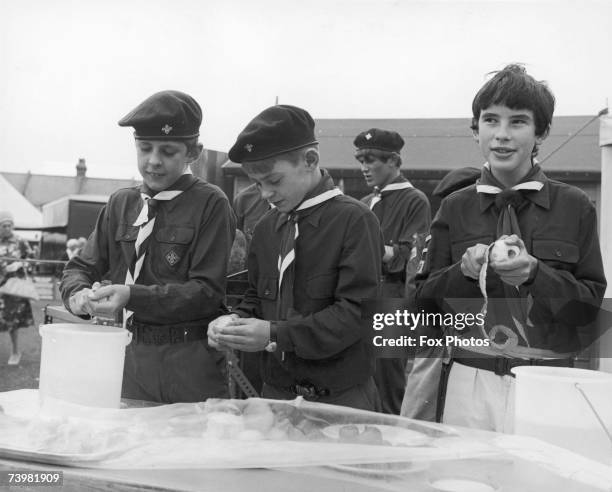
(502, 251)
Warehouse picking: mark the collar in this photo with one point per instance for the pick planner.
(184, 182)
(399, 183)
(313, 214)
(540, 198)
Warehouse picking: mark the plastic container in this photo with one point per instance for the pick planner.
(567, 407)
(83, 363)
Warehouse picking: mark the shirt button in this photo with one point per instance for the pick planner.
(558, 253)
(126, 235)
(267, 292)
(172, 237)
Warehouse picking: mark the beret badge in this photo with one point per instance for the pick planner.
(166, 129)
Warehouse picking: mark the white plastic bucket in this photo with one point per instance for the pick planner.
(83, 363)
(561, 405)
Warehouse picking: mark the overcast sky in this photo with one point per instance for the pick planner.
(72, 68)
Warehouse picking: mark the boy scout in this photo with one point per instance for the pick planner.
(313, 258)
(403, 212)
(164, 247)
(553, 227)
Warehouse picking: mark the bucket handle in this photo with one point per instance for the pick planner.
(601, 422)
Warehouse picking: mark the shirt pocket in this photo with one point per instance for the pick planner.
(267, 287)
(174, 243)
(322, 286)
(557, 253)
(458, 248)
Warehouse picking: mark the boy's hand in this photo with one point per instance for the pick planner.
(518, 269)
(109, 299)
(472, 260)
(246, 334)
(213, 330)
(80, 303)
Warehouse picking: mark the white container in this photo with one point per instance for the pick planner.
(551, 404)
(83, 363)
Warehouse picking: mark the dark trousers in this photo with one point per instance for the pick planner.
(174, 373)
(390, 377)
(362, 396)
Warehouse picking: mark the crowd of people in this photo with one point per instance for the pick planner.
(158, 255)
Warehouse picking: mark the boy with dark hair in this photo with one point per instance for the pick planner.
(313, 258)
(403, 212)
(163, 247)
(551, 229)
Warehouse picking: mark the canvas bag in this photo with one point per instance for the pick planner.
(20, 287)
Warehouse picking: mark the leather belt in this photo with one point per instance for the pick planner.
(165, 334)
(501, 365)
(307, 390)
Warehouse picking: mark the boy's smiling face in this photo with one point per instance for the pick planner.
(506, 138)
(161, 162)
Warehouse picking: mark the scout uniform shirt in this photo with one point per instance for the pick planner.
(401, 213)
(558, 225)
(182, 281)
(337, 264)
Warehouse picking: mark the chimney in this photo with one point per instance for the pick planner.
(81, 168)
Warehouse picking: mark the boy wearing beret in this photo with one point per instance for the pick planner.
(313, 258)
(403, 212)
(163, 248)
(555, 262)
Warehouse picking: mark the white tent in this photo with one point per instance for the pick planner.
(27, 216)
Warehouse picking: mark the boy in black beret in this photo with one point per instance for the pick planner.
(555, 258)
(403, 212)
(312, 259)
(163, 248)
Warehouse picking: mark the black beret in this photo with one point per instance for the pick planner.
(378, 139)
(274, 131)
(171, 115)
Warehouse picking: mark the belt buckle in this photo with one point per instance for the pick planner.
(305, 390)
(502, 366)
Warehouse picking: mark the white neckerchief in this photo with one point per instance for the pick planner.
(283, 263)
(145, 229)
(494, 190)
(390, 187)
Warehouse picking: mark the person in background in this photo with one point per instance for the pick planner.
(404, 213)
(81, 242)
(249, 207)
(423, 379)
(72, 248)
(550, 228)
(163, 247)
(15, 312)
(312, 260)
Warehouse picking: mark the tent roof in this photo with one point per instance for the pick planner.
(27, 216)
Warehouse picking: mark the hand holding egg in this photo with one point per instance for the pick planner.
(501, 251)
(510, 260)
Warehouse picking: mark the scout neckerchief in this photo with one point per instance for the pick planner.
(508, 201)
(146, 221)
(378, 193)
(286, 255)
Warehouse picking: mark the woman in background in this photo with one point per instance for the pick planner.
(15, 312)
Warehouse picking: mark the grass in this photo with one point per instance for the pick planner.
(25, 375)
